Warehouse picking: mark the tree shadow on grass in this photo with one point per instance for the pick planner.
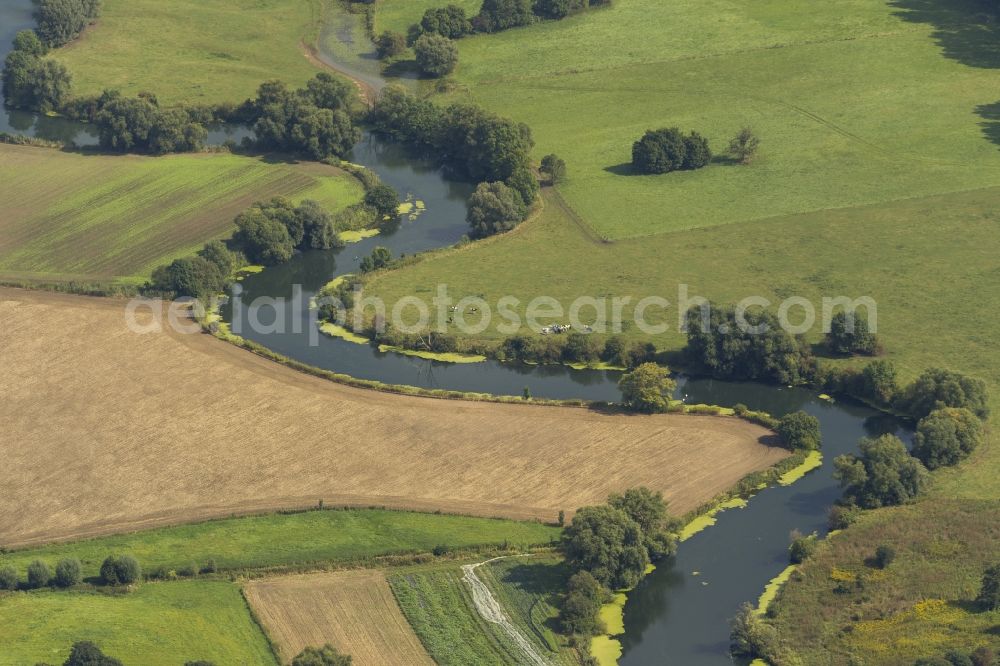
(967, 30)
(623, 169)
(990, 113)
(403, 69)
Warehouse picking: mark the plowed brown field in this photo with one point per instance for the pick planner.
(354, 611)
(105, 430)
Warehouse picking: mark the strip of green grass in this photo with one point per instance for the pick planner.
(156, 624)
(190, 51)
(438, 605)
(118, 217)
(291, 539)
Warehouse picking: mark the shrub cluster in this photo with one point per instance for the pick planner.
(267, 233)
(321, 656)
(61, 21)
(476, 144)
(554, 168)
(85, 653)
(579, 613)
(753, 638)
(32, 81)
(802, 548)
(615, 542)
(120, 570)
(67, 574)
(981, 656)
(667, 149)
(436, 55)
(494, 16)
(724, 347)
(380, 258)
(138, 124)
(575, 348)
(849, 334)
(884, 474)
(270, 231)
(313, 121)
(800, 431)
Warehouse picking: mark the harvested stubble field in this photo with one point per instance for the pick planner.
(100, 217)
(167, 428)
(353, 610)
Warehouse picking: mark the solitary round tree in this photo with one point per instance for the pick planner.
(8, 578)
(494, 208)
(384, 200)
(744, 146)
(390, 44)
(946, 437)
(39, 574)
(800, 431)
(659, 151)
(989, 593)
(647, 388)
(68, 572)
(436, 55)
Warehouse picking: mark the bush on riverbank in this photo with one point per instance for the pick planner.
(648, 388)
(800, 431)
(884, 474)
(30, 80)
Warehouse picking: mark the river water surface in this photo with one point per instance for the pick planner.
(679, 614)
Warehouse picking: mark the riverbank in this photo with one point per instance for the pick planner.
(605, 647)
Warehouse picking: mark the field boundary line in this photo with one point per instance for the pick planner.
(589, 232)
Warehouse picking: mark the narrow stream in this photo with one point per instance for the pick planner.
(677, 615)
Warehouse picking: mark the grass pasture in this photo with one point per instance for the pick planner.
(920, 606)
(277, 540)
(352, 610)
(115, 218)
(438, 605)
(188, 51)
(856, 103)
(157, 624)
(269, 437)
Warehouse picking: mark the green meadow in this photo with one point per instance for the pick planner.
(276, 540)
(856, 103)
(98, 217)
(189, 51)
(156, 624)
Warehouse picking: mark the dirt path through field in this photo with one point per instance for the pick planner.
(491, 611)
(105, 430)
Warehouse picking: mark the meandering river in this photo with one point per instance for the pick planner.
(677, 615)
